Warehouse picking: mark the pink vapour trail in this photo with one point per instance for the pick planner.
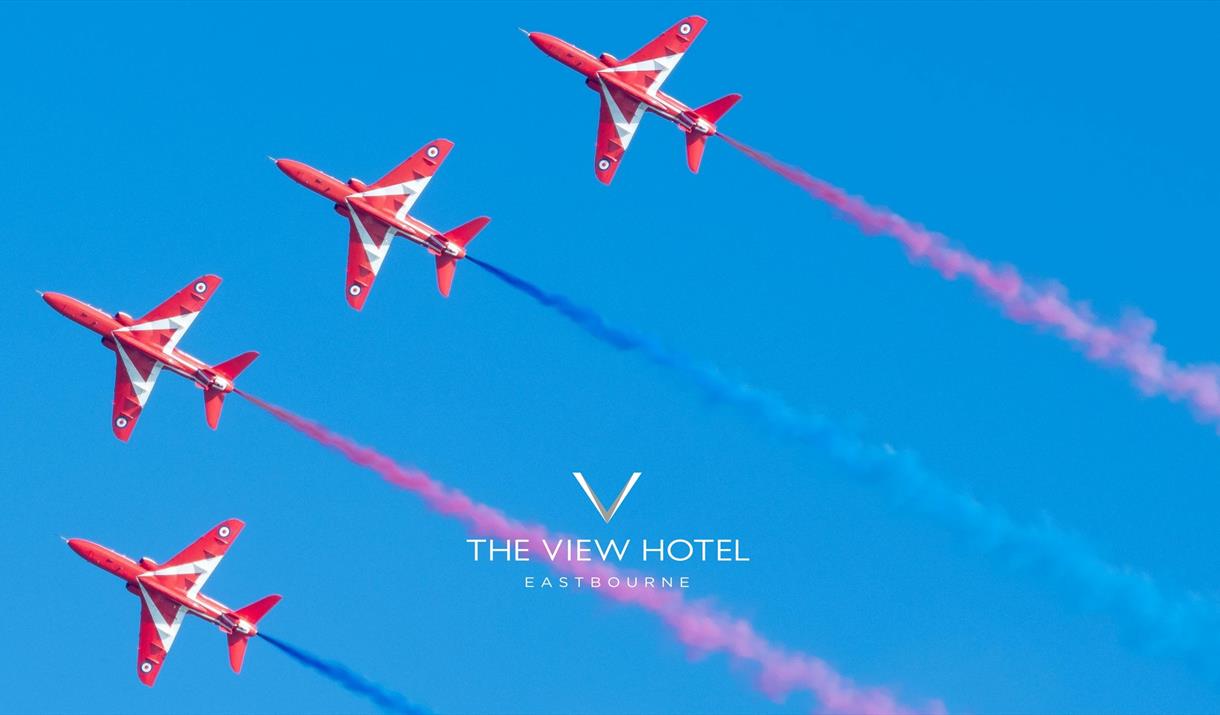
(699, 626)
(1129, 345)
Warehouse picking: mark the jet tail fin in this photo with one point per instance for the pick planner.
(446, 264)
(251, 614)
(712, 112)
(213, 400)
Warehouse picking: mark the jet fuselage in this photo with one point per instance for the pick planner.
(602, 70)
(134, 572)
(117, 328)
(347, 197)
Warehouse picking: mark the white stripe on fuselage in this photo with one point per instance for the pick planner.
(408, 227)
(410, 191)
(658, 103)
(141, 385)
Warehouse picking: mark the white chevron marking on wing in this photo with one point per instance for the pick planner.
(625, 127)
(140, 385)
(376, 254)
(662, 65)
(409, 189)
(167, 631)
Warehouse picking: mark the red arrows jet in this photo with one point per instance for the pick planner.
(632, 86)
(170, 590)
(379, 211)
(144, 346)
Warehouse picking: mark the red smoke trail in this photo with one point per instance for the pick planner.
(1128, 345)
(699, 626)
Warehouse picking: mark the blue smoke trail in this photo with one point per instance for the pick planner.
(1180, 625)
(388, 700)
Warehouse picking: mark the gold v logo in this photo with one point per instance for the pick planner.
(607, 514)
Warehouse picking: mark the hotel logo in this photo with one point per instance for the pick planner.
(607, 514)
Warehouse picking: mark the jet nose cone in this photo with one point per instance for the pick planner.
(296, 171)
(58, 301)
(557, 49)
(542, 41)
(80, 546)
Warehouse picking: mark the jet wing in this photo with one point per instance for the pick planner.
(167, 323)
(368, 242)
(191, 567)
(164, 327)
(397, 191)
(620, 117)
(134, 377)
(160, 619)
(651, 64)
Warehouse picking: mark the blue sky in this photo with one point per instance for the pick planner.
(1076, 141)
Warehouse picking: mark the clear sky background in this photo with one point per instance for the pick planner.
(1077, 141)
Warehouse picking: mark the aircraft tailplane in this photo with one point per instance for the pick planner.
(213, 400)
(695, 144)
(446, 264)
(252, 614)
(712, 112)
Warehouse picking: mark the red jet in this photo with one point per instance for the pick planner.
(145, 345)
(170, 590)
(631, 87)
(379, 211)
